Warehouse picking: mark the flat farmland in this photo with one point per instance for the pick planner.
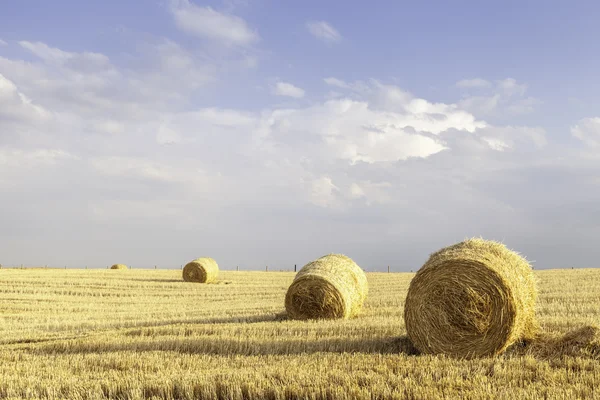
(133, 334)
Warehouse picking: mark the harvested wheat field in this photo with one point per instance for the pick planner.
(91, 334)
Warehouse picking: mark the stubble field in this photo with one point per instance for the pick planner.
(90, 334)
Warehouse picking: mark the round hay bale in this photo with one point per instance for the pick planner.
(331, 287)
(472, 299)
(202, 270)
(119, 266)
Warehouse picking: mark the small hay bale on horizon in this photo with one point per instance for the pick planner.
(201, 270)
(331, 287)
(118, 266)
(471, 299)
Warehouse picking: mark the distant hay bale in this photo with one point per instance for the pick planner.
(119, 266)
(331, 287)
(202, 270)
(472, 299)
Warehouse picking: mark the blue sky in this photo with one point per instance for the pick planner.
(265, 132)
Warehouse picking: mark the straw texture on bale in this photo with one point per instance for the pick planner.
(202, 270)
(330, 287)
(472, 299)
(119, 266)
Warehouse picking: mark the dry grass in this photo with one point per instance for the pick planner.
(93, 334)
(471, 299)
(201, 270)
(332, 286)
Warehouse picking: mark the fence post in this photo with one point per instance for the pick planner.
(266, 268)
(388, 269)
(294, 267)
(155, 267)
(237, 268)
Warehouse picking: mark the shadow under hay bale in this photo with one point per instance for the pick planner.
(472, 299)
(330, 287)
(118, 266)
(202, 270)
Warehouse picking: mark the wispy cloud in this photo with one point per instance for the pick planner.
(289, 90)
(211, 24)
(503, 97)
(588, 131)
(473, 83)
(323, 31)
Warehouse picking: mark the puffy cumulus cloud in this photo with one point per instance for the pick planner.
(208, 23)
(588, 131)
(287, 89)
(348, 130)
(355, 131)
(504, 97)
(323, 31)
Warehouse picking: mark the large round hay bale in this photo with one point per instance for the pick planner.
(118, 266)
(472, 299)
(331, 287)
(202, 270)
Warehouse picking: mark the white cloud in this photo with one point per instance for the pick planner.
(167, 135)
(505, 97)
(181, 172)
(496, 143)
(3, 43)
(208, 23)
(86, 61)
(473, 83)
(513, 137)
(372, 193)
(376, 159)
(287, 89)
(14, 105)
(88, 85)
(22, 158)
(588, 131)
(46, 52)
(336, 82)
(358, 86)
(351, 130)
(110, 126)
(323, 192)
(323, 31)
(511, 87)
